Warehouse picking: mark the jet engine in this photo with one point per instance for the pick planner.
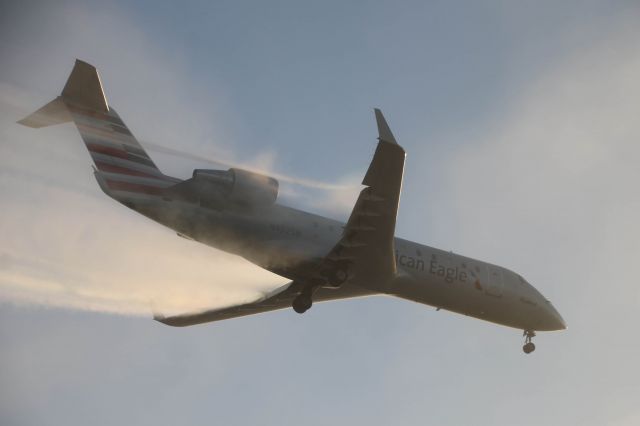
(238, 186)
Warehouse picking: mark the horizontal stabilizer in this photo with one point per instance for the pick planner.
(55, 112)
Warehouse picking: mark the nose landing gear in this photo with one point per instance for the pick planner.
(528, 344)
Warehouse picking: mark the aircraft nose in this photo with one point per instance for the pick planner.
(543, 316)
(552, 321)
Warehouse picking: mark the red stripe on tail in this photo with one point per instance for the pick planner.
(101, 149)
(134, 187)
(110, 168)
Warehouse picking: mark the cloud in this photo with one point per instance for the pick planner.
(264, 163)
(62, 242)
(65, 248)
(551, 191)
(559, 165)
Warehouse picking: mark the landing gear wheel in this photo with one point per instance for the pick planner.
(340, 276)
(302, 303)
(528, 344)
(335, 277)
(528, 348)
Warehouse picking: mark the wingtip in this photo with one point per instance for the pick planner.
(162, 319)
(80, 61)
(176, 321)
(172, 321)
(155, 312)
(384, 132)
(29, 122)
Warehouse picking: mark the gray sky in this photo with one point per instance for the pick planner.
(520, 120)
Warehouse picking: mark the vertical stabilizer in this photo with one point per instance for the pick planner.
(84, 88)
(122, 163)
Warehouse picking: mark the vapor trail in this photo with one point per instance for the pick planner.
(229, 163)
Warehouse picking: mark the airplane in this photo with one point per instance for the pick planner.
(237, 211)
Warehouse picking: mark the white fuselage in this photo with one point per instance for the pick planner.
(290, 242)
(285, 240)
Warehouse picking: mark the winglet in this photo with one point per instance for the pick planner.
(384, 133)
(387, 165)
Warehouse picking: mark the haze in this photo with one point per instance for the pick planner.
(520, 122)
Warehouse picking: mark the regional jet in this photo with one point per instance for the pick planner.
(237, 211)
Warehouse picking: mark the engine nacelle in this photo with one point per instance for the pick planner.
(239, 186)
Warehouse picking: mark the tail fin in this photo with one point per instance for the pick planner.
(84, 88)
(113, 148)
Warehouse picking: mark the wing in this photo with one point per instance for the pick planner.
(279, 298)
(366, 248)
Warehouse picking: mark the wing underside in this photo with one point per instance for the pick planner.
(280, 298)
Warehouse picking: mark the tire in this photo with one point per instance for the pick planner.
(338, 277)
(301, 304)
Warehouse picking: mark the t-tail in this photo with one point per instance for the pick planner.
(124, 170)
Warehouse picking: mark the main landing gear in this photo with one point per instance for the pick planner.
(331, 278)
(335, 276)
(528, 344)
(338, 277)
(302, 302)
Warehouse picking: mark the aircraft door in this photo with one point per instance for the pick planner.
(494, 287)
